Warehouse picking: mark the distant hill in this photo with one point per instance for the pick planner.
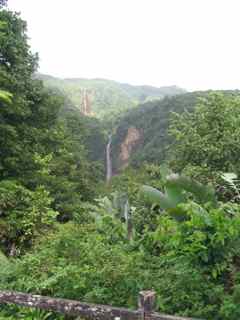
(82, 130)
(102, 97)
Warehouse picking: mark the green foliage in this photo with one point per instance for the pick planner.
(51, 164)
(108, 98)
(5, 96)
(3, 260)
(85, 131)
(44, 166)
(26, 126)
(73, 265)
(189, 264)
(193, 264)
(176, 187)
(209, 137)
(152, 119)
(13, 312)
(24, 215)
(118, 208)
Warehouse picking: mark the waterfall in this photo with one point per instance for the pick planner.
(109, 159)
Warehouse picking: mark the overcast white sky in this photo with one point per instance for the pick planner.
(194, 44)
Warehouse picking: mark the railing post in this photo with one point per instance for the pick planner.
(146, 303)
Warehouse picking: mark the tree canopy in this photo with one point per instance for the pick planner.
(209, 137)
(38, 150)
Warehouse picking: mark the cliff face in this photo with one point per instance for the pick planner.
(142, 134)
(131, 142)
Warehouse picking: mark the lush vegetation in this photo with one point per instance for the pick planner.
(153, 120)
(44, 167)
(191, 262)
(64, 232)
(108, 98)
(208, 139)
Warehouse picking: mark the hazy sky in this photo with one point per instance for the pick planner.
(194, 44)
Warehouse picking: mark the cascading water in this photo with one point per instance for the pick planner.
(108, 160)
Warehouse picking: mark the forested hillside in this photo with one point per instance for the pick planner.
(106, 97)
(169, 221)
(149, 127)
(151, 120)
(84, 130)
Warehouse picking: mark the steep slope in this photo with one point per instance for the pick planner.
(102, 97)
(83, 130)
(142, 133)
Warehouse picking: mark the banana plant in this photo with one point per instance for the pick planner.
(118, 208)
(5, 96)
(175, 192)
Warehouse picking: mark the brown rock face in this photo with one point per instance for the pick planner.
(132, 140)
(86, 104)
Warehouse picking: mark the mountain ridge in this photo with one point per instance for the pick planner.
(40, 75)
(103, 96)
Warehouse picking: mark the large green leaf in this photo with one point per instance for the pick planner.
(174, 194)
(154, 196)
(203, 193)
(173, 190)
(5, 96)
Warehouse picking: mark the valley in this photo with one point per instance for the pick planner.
(108, 189)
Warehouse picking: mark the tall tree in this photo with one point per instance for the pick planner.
(36, 150)
(209, 137)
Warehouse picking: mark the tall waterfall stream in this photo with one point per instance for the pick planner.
(108, 160)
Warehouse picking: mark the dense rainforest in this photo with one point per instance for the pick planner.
(150, 125)
(169, 218)
(106, 98)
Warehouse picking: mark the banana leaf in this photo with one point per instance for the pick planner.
(154, 196)
(5, 96)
